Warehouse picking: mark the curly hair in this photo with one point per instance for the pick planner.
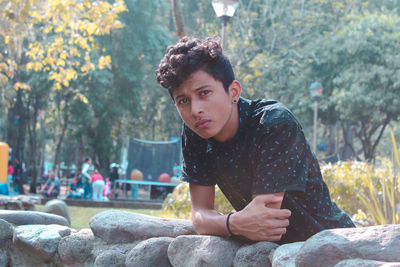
(190, 55)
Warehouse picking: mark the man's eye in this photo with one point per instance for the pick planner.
(205, 92)
(183, 101)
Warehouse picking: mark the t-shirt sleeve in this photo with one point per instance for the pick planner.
(196, 167)
(282, 155)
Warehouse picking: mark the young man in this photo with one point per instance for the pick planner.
(254, 150)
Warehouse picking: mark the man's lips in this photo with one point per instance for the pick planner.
(202, 124)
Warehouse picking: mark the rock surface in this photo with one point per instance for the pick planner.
(195, 251)
(151, 252)
(254, 255)
(6, 233)
(329, 247)
(20, 202)
(284, 256)
(38, 241)
(3, 258)
(366, 263)
(115, 226)
(57, 207)
(110, 258)
(31, 217)
(76, 248)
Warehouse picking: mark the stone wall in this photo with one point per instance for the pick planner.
(118, 238)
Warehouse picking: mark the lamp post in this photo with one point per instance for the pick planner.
(224, 10)
(316, 93)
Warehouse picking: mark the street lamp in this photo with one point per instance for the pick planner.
(224, 10)
(316, 93)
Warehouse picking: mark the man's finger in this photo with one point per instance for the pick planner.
(269, 198)
(278, 213)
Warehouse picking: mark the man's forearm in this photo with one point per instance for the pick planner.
(209, 222)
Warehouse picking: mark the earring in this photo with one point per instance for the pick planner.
(234, 100)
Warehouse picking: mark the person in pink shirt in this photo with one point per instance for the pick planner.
(97, 186)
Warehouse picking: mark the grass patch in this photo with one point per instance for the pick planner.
(80, 216)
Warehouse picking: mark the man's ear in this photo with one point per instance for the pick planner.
(235, 90)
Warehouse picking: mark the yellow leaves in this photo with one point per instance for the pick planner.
(36, 66)
(22, 86)
(104, 62)
(60, 62)
(67, 29)
(82, 98)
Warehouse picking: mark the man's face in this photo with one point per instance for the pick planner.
(206, 108)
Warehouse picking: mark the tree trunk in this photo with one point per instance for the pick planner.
(33, 105)
(348, 151)
(178, 21)
(56, 165)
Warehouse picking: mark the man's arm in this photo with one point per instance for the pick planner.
(261, 220)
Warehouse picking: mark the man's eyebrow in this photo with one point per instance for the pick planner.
(201, 87)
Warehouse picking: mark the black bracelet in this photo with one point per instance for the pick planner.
(227, 225)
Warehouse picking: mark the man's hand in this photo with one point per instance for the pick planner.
(261, 219)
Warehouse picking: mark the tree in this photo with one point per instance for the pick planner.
(59, 40)
(360, 63)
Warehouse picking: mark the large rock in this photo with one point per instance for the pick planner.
(110, 258)
(254, 255)
(39, 242)
(327, 248)
(76, 248)
(6, 233)
(366, 263)
(3, 258)
(151, 252)
(194, 251)
(19, 202)
(58, 207)
(284, 256)
(115, 226)
(31, 217)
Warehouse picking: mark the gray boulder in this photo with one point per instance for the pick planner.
(39, 242)
(115, 226)
(254, 255)
(151, 252)
(3, 258)
(76, 248)
(18, 217)
(195, 251)
(284, 256)
(19, 202)
(329, 247)
(366, 263)
(110, 258)
(57, 207)
(6, 233)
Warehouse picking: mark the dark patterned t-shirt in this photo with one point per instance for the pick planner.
(268, 154)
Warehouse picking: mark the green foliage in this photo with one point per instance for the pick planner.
(368, 192)
(178, 202)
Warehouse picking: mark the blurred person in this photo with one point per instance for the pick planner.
(107, 192)
(18, 178)
(97, 185)
(75, 189)
(87, 179)
(10, 173)
(51, 188)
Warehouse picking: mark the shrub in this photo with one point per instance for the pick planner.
(178, 202)
(368, 192)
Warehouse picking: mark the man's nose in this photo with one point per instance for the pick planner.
(196, 108)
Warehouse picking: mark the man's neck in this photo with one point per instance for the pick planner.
(231, 127)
